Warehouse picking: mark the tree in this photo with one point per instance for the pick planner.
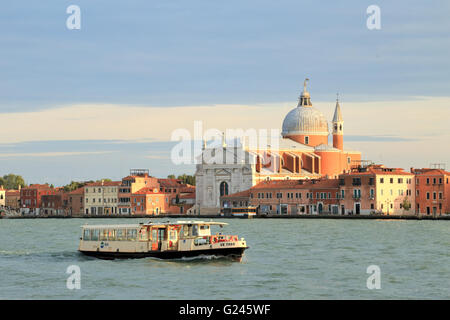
(185, 178)
(12, 181)
(73, 185)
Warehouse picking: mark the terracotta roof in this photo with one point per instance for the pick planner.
(430, 171)
(12, 192)
(170, 182)
(147, 190)
(187, 196)
(77, 191)
(105, 184)
(378, 169)
(241, 194)
(37, 186)
(297, 184)
(189, 189)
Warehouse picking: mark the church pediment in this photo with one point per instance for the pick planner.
(223, 172)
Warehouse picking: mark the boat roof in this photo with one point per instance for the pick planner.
(137, 225)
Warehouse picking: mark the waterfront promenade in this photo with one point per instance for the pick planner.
(274, 216)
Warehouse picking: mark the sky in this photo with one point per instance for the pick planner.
(95, 102)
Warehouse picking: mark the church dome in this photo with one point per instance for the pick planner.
(305, 119)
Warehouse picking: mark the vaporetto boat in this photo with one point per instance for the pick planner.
(169, 240)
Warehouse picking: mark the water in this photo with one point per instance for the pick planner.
(287, 259)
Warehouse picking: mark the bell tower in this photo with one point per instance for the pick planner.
(338, 127)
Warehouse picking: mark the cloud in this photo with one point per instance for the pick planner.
(52, 154)
(397, 128)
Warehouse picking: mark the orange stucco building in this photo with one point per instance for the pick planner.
(432, 191)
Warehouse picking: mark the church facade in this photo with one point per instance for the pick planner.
(302, 152)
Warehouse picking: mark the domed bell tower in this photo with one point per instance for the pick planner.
(338, 127)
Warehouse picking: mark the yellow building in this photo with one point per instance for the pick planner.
(377, 189)
(2, 196)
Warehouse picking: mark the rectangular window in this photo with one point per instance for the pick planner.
(131, 234)
(121, 235)
(95, 235)
(87, 235)
(306, 140)
(104, 235)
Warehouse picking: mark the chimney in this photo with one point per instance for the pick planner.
(103, 181)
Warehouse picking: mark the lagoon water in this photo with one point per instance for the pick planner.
(287, 259)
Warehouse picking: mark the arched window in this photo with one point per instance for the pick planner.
(223, 188)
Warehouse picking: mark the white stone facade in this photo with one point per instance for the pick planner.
(232, 173)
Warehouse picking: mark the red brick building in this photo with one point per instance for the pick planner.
(76, 202)
(53, 204)
(432, 191)
(12, 199)
(30, 197)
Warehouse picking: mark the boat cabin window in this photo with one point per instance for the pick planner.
(184, 231)
(95, 234)
(143, 234)
(204, 230)
(161, 234)
(121, 235)
(195, 230)
(111, 235)
(104, 235)
(173, 235)
(131, 234)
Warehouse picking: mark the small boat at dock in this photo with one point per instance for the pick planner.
(169, 240)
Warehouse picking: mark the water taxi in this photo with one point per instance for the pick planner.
(240, 212)
(169, 240)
